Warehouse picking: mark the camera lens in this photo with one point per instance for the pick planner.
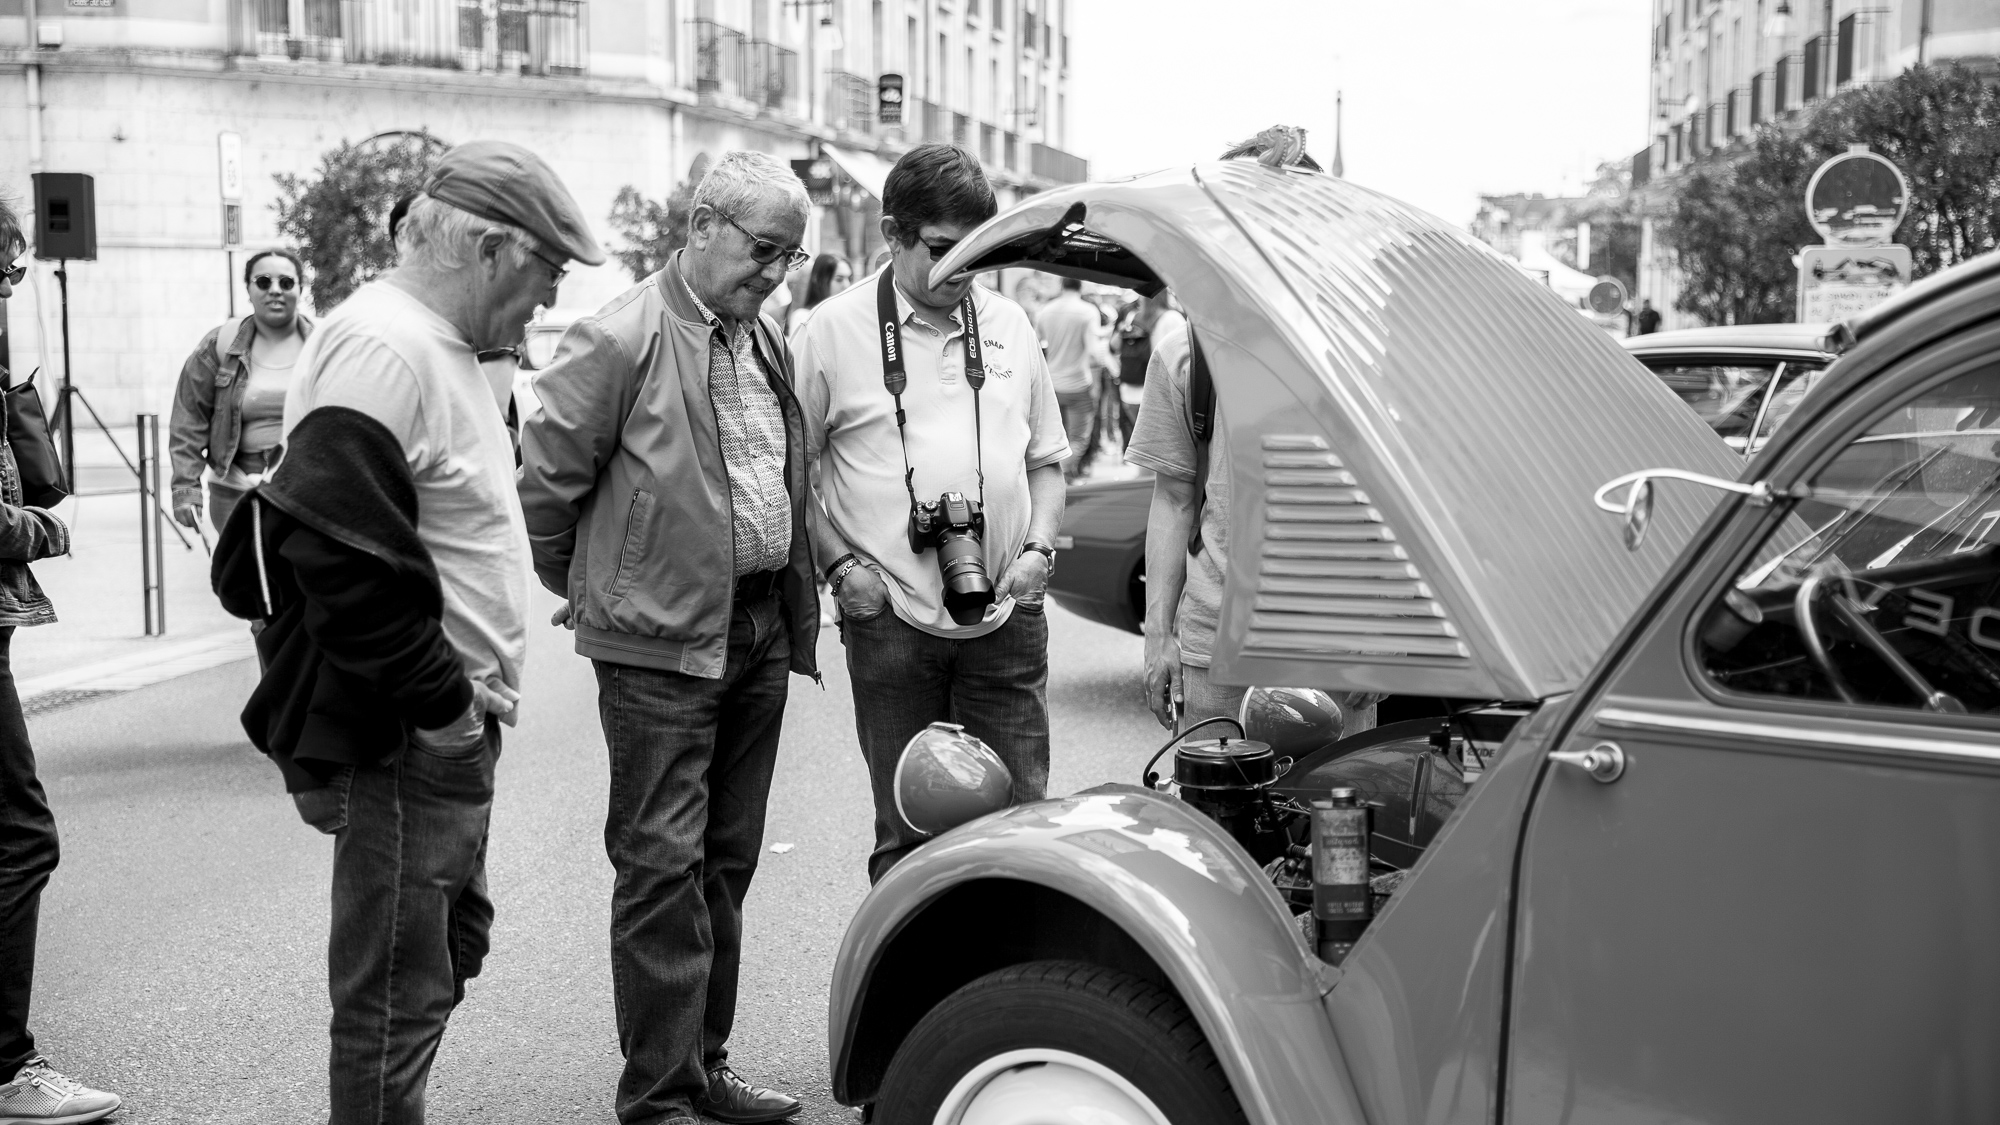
(967, 589)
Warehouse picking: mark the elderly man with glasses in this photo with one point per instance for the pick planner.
(663, 480)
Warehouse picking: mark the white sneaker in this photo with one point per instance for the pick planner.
(40, 1096)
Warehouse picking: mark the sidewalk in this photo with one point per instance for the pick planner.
(98, 643)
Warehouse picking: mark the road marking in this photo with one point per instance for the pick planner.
(149, 666)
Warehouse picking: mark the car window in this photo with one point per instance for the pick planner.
(1792, 388)
(1726, 395)
(1884, 587)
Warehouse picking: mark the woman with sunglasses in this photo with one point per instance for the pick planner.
(230, 407)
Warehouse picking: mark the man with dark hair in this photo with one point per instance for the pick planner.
(916, 393)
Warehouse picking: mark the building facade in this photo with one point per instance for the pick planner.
(1721, 68)
(612, 92)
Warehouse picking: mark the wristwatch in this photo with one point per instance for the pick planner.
(1047, 552)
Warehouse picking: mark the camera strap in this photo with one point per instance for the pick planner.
(896, 380)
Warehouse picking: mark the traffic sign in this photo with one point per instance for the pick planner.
(1857, 198)
(1607, 296)
(1837, 282)
(229, 147)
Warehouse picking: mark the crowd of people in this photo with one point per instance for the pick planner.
(696, 478)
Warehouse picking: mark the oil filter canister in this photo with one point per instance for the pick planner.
(1342, 902)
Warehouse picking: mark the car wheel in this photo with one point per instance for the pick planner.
(1057, 1043)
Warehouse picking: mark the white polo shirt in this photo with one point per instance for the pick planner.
(851, 433)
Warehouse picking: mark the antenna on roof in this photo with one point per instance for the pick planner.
(1337, 168)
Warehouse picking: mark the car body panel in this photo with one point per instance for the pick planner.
(1784, 909)
(1102, 552)
(1427, 425)
(1177, 884)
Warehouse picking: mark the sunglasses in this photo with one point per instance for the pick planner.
(264, 281)
(763, 251)
(15, 273)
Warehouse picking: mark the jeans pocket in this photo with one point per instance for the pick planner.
(452, 743)
(1035, 608)
(325, 808)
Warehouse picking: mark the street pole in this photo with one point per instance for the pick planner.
(63, 402)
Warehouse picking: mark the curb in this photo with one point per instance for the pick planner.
(57, 690)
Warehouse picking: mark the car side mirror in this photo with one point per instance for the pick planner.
(1637, 507)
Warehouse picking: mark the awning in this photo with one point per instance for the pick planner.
(864, 168)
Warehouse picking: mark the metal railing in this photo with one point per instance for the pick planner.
(542, 37)
(718, 59)
(771, 78)
(1052, 163)
(850, 102)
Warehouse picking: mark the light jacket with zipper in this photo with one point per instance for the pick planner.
(206, 427)
(626, 493)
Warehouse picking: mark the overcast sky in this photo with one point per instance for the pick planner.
(1445, 98)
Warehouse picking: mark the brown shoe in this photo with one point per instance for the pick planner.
(737, 1102)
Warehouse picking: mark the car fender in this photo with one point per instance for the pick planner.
(1173, 882)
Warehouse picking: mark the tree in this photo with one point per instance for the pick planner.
(1613, 214)
(337, 217)
(652, 230)
(1735, 223)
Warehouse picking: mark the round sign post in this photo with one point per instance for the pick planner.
(1607, 297)
(1857, 198)
(1855, 201)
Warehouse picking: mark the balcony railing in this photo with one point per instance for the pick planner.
(1054, 164)
(850, 102)
(718, 59)
(544, 37)
(772, 79)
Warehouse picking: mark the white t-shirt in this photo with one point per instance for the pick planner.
(1068, 326)
(851, 432)
(386, 354)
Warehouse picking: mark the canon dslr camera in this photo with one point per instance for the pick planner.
(953, 524)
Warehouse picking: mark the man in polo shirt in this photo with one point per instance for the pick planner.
(484, 243)
(913, 659)
(664, 483)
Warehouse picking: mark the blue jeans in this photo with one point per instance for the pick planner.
(691, 764)
(411, 918)
(905, 679)
(28, 853)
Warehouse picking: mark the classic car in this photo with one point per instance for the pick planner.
(1743, 380)
(1731, 855)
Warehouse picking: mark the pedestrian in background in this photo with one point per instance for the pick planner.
(1136, 325)
(664, 482)
(1069, 327)
(830, 275)
(30, 1089)
(406, 773)
(1649, 318)
(912, 658)
(229, 407)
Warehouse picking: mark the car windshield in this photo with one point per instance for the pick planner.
(1726, 395)
(1923, 483)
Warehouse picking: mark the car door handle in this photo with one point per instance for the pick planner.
(1604, 762)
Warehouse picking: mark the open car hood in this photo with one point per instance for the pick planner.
(1415, 429)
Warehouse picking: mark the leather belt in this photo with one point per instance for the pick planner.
(757, 586)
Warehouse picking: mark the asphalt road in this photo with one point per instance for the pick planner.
(182, 956)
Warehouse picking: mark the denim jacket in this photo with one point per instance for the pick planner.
(207, 421)
(26, 534)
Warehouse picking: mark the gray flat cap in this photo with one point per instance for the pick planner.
(508, 184)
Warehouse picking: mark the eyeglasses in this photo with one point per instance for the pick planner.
(264, 281)
(15, 273)
(555, 268)
(938, 249)
(763, 251)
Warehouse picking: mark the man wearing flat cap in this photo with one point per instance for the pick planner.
(390, 562)
(663, 481)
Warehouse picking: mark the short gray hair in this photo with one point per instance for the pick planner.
(436, 235)
(741, 180)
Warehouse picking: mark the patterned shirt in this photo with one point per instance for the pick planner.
(752, 427)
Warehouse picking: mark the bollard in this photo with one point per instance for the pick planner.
(152, 540)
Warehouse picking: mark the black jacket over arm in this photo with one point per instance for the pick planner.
(327, 555)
